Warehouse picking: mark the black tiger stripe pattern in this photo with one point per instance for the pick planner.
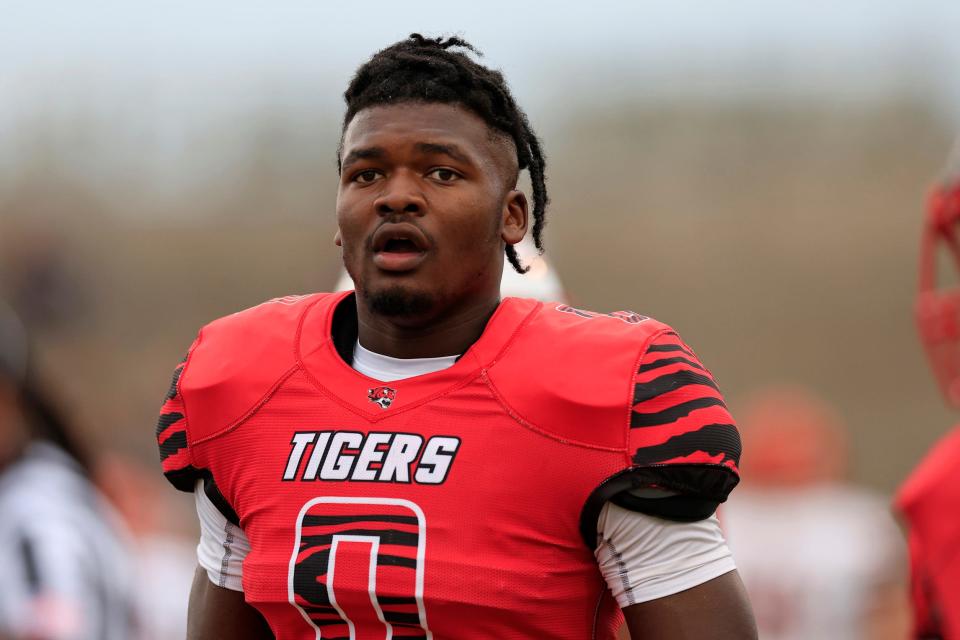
(395, 530)
(679, 415)
(172, 430)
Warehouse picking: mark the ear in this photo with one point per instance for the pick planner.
(336, 239)
(515, 216)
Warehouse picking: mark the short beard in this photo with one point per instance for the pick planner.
(398, 302)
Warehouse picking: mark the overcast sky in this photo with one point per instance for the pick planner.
(46, 46)
(168, 67)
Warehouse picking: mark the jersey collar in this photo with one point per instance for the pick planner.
(325, 341)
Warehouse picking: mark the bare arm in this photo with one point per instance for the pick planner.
(216, 613)
(715, 610)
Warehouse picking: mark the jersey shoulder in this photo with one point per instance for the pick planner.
(238, 360)
(929, 487)
(570, 372)
(232, 366)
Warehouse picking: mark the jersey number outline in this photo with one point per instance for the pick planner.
(357, 567)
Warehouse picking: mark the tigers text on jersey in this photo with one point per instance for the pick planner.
(461, 503)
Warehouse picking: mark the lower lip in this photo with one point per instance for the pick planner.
(396, 261)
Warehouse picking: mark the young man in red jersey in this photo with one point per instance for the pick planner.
(928, 500)
(421, 459)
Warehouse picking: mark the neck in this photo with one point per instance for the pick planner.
(433, 337)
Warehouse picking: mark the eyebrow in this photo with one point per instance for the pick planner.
(450, 150)
(377, 153)
(363, 154)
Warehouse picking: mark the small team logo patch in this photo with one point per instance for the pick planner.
(383, 396)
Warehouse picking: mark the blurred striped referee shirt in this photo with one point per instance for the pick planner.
(65, 572)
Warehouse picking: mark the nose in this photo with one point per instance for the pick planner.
(401, 194)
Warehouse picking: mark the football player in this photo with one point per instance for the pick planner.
(421, 459)
(928, 499)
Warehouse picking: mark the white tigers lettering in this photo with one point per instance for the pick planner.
(373, 457)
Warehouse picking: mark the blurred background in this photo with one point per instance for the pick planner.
(751, 172)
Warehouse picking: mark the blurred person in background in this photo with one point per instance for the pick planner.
(48, 292)
(162, 542)
(64, 570)
(432, 505)
(820, 557)
(929, 500)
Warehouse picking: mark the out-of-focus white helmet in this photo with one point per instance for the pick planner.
(541, 282)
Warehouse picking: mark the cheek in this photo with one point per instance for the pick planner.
(348, 222)
(479, 221)
(484, 235)
(342, 208)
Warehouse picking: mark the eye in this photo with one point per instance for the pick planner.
(443, 174)
(366, 177)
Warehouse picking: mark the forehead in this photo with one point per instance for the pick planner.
(414, 122)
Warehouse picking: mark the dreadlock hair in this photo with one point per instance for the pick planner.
(422, 69)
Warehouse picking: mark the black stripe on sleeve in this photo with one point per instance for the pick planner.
(167, 419)
(672, 414)
(713, 439)
(658, 386)
(185, 479)
(665, 362)
(173, 444)
(669, 347)
(172, 391)
(699, 487)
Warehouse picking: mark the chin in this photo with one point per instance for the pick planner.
(397, 301)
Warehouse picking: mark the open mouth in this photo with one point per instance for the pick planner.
(399, 247)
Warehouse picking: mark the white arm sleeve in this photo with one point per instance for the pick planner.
(223, 545)
(644, 558)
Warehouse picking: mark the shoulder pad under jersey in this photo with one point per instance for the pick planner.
(570, 373)
(237, 361)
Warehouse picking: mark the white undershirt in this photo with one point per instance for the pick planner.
(641, 557)
(387, 369)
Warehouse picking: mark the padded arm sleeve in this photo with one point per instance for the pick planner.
(683, 445)
(682, 441)
(682, 437)
(172, 436)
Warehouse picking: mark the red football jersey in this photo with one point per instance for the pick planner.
(929, 501)
(458, 504)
